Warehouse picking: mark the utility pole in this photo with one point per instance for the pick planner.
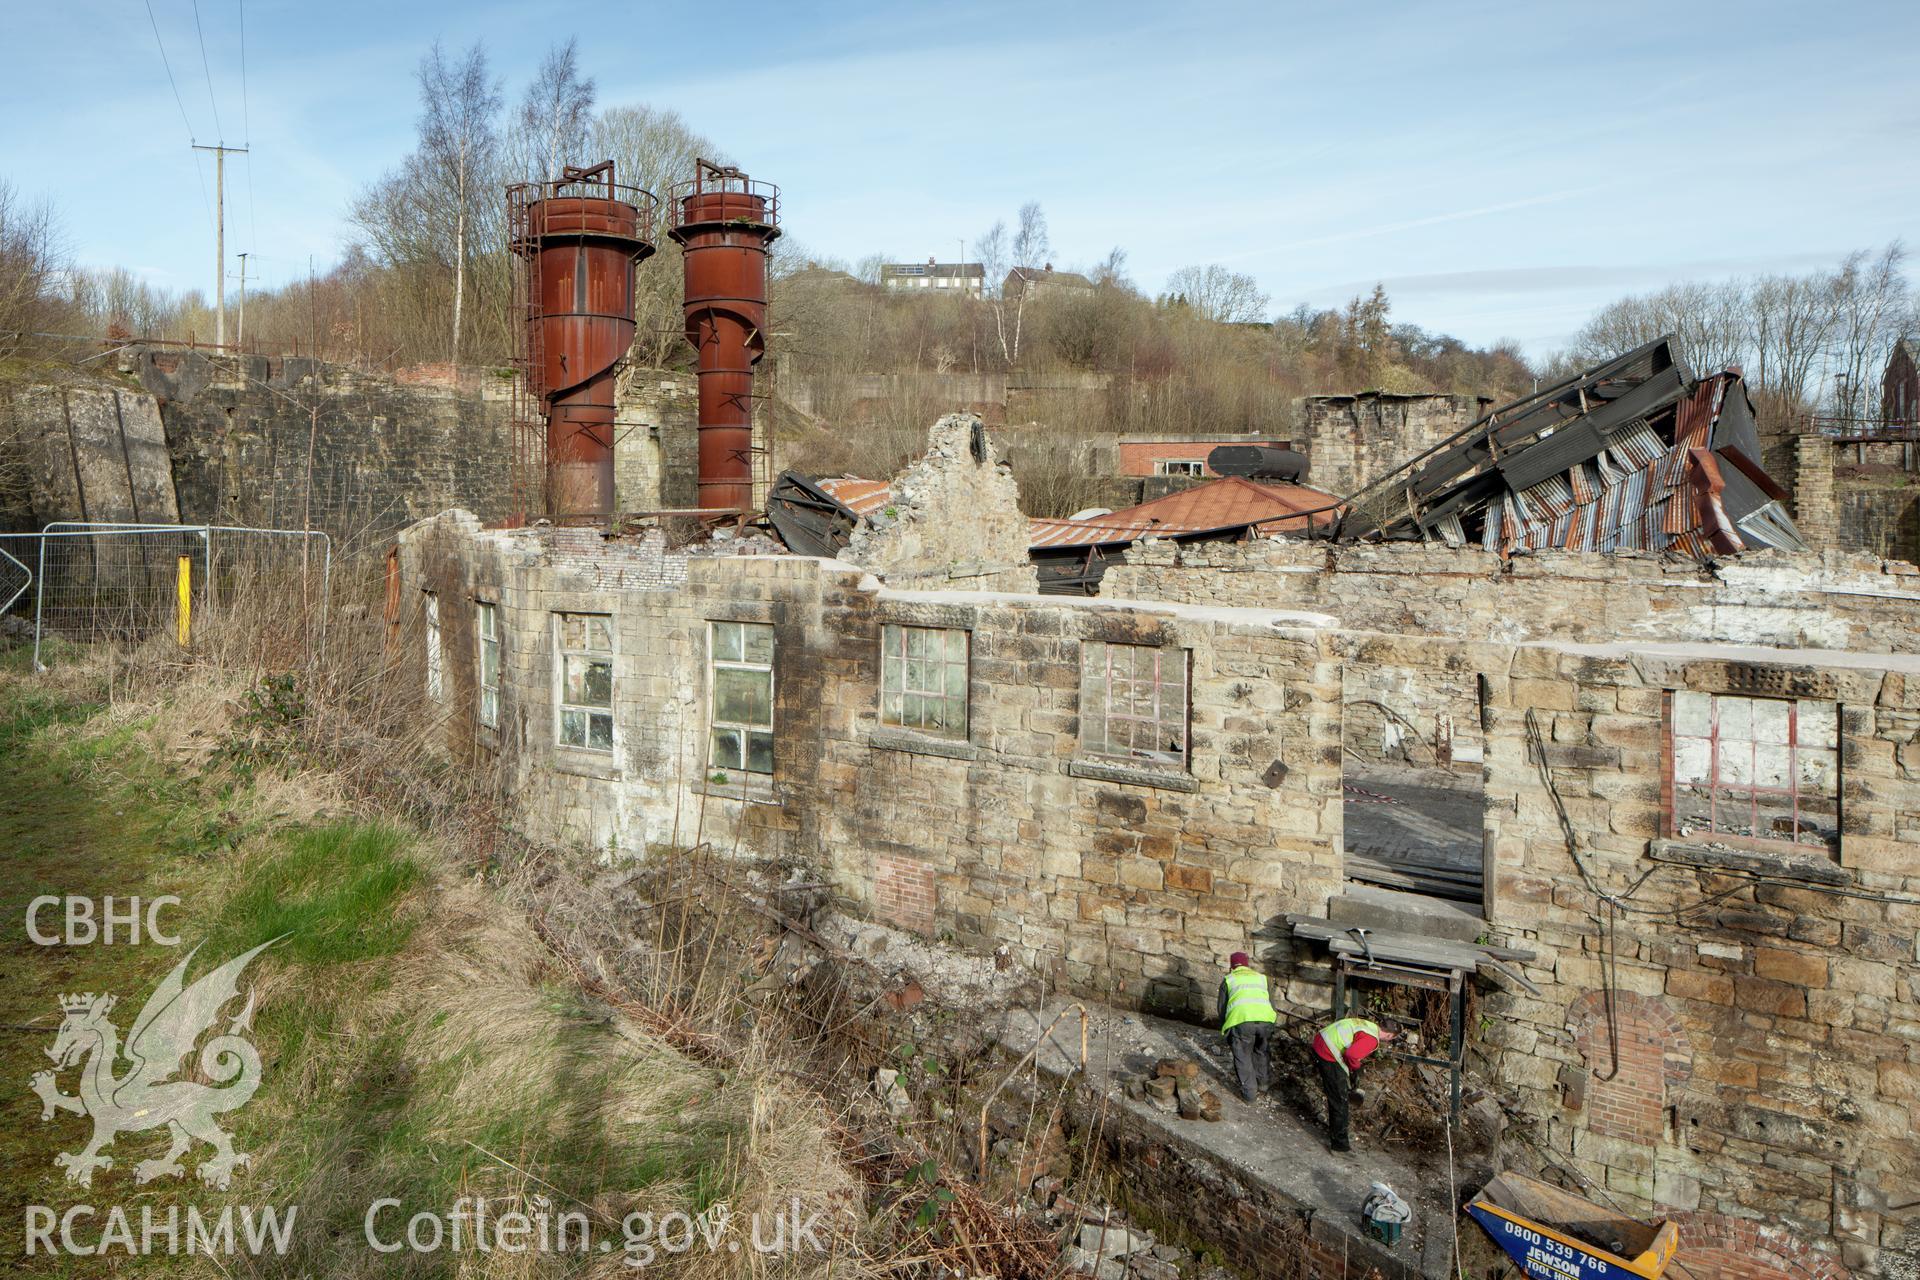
(241, 340)
(220, 154)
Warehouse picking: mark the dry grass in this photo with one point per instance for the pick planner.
(564, 1034)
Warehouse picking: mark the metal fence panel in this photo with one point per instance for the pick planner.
(92, 582)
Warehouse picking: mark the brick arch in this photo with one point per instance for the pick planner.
(1655, 1056)
(1587, 1020)
(1716, 1247)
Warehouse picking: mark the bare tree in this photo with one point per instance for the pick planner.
(556, 113)
(652, 149)
(1790, 333)
(1217, 294)
(428, 219)
(1874, 307)
(1007, 261)
(32, 264)
(459, 144)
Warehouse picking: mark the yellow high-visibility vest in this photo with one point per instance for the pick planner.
(1246, 999)
(1338, 1036)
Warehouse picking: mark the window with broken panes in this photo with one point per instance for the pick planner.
(487, 627)
(741, 722)
(586, 680)
(1756, 769)
(1133, 702)
(436, 668)
(1179, 467)
(923, 679)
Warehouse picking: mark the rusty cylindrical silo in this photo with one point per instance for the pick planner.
(580, 237)
(725, 221)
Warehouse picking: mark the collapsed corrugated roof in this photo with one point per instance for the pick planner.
(817, 517)
(1632, 454)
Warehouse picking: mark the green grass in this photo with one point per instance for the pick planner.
(332, 893)
(394, 1048)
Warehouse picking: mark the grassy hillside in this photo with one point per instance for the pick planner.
(417, 1045)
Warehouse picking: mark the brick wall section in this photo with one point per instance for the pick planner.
(903, 892)
(1716, 1247)
(1632, 1065)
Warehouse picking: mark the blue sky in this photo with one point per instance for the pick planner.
(1504, 168)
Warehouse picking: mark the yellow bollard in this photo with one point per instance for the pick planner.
(185, 579)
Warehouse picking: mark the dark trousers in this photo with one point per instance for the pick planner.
(1252, 1046)
(1338, 1084)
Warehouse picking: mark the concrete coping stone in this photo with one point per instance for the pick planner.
(1815, 868)
(1847, 659)
(889, 738)
(1262, 619)
(1134, 775)
(755, 792)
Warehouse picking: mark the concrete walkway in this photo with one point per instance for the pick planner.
(1269, 1142)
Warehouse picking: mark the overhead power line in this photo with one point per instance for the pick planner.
(161, 44)
(219, 132)
(192, 138)
(246, 129)
(246, 118)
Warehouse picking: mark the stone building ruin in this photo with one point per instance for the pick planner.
(1686, 883)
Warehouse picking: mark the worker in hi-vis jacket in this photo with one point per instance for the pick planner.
(1338, 1050)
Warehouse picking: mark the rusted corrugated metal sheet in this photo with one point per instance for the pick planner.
(1626, 456)
(862, 497)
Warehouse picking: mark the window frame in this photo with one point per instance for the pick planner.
(1132, 755)
(1754, 792)
(561, 706)
(715, 724)
(486, 631)
(1190, 467)
(436, 659)
(902, 662)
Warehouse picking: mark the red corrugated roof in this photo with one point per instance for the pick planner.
(862, 497)
(1221, 504)
(1230, 501)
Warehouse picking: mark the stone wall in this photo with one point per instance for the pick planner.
(1352, 440)
(281, 442)
(1761, 1061)
(1813, 492)
(1832, 601)
(226, 440)
(655, 452)
(1132, 883)
(1858, 496)
(89, 452)
(1729, 1037)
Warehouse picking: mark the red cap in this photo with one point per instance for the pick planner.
(1239, 960)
